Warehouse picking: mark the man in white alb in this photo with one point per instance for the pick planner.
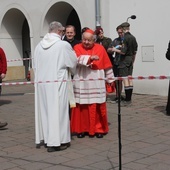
(53, 60)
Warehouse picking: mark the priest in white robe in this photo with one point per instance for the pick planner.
(53, 62)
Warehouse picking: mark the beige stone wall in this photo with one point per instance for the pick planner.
(32, 74)
(15, 73)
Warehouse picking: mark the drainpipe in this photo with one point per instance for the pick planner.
(98, 17)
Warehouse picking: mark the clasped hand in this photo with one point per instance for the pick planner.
(94, 57)
(114, 49)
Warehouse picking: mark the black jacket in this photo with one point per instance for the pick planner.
(168, 52)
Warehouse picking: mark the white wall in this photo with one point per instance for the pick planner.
(150, 28)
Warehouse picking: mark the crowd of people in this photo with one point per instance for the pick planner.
(59, 56)
(74, 100)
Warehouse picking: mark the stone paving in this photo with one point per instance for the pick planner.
(145, 137)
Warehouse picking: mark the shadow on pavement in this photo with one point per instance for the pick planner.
(2, 102)
(3, 128)
(161, 109)
(13, 94)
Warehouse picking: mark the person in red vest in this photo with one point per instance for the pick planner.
(90, 114)
(3, 70)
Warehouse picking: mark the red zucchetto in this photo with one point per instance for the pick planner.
(90, 31)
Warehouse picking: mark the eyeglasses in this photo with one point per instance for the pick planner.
(120, 32)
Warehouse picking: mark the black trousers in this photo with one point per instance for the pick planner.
(0, 86)
(168, 102)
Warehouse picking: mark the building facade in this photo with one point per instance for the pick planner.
(24, 23)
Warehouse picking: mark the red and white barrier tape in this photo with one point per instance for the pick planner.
(116, 78)
(19, 59)
(162, 77)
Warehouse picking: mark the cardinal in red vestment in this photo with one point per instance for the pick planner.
(90, 114)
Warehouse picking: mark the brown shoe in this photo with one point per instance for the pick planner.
(2, 125)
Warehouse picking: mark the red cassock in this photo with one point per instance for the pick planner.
(91, 117)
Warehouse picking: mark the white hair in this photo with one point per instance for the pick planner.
(55, 26)
(94, 37)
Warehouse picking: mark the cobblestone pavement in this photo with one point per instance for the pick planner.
(145, 137)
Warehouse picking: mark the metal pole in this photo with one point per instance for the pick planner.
(119, 127)
(97, 9)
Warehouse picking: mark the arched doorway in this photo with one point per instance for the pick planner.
(64, 13)
(14, 37)
(26, 46)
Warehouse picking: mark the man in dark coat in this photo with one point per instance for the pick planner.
(104, 41)
(70, 33)
(168, 101)
(128, 54)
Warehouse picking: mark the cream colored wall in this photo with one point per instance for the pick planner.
(150, 29)
(11, 38)
(15, 73)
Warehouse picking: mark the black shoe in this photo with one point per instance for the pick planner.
(99, 135)
(122, 98)
(115, 100)
(108, 99)
(80, 135)
(2, 125)
(66, 144)
(91, 136)
(38, 146)
(167, 113)
(54, 148)
(126, 103)
(45, 145)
